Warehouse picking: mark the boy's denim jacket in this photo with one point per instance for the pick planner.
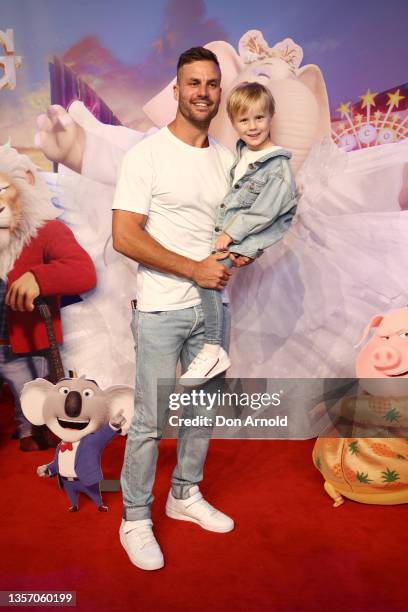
(259, 208)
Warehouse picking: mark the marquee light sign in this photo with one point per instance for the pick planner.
(376, 119)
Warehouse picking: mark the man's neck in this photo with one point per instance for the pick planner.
(191, 134)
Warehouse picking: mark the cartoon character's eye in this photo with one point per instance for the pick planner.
(87, 393)
(403, 334)
(63, 390)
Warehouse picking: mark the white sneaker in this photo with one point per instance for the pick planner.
(138, 540)
(196, 510)
(204, 367)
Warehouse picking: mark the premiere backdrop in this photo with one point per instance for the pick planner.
(300, 309)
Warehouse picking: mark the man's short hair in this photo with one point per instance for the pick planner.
(196, 54)
(244, 95)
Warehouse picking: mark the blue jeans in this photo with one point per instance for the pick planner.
(161, 339)
(16, 369)
(211, 302)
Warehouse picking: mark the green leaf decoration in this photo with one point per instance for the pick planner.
(361, 477)
(353, 447)
(318, 463)
(390, 475)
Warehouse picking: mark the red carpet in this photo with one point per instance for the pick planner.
(290, 550)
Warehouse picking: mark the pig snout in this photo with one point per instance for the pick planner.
(386, 357)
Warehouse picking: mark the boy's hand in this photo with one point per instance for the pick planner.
(223, 241)
(240, 260)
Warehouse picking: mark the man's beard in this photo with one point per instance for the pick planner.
(197, 121)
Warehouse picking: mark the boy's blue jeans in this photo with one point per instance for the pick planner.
(211, 302)
(161, 339)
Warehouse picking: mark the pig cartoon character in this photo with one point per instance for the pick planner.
(373, 470)
(385, 357)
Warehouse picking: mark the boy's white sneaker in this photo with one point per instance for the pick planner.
(138, 540)
(204, 367)
(196, 509)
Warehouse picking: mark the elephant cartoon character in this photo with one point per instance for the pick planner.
(86, 418)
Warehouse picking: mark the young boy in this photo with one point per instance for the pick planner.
(255, 213)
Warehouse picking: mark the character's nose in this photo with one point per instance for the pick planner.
(73, 404)
(386, 357)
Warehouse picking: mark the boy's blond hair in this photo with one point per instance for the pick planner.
(245, 95)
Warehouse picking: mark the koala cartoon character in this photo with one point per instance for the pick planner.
(86, 418)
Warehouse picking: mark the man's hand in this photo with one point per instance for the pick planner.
(42, 471)
(23, 292)
(240, 260)
(210, 274)
(60, 138)
(223, 241)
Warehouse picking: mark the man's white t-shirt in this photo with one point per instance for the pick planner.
(179, 187)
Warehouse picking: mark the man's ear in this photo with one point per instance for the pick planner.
(30, 177)
(175, 92)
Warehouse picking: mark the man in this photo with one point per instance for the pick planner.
(169, 188)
